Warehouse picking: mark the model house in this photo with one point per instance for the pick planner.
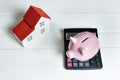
(34, 25)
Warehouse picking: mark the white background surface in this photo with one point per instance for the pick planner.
(44, 60)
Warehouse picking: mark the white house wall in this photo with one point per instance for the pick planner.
(39, 32)
(28, 40)
(38, 26)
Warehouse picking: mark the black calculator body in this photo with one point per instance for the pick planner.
(73, 64)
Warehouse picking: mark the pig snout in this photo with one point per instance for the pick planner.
(70, 54)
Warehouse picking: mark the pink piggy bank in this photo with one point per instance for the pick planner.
(83, 46)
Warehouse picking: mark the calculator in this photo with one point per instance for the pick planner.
(73, 64)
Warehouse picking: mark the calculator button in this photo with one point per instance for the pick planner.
(69, 64)
(74, 60)
(98, 64)
(97, 59)
(97, 55)
(75, 64)
(69, 60)
(92, 63)
(86, 61)
(81, 64)
(87, 64)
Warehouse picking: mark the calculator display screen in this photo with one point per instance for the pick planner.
(68, 35)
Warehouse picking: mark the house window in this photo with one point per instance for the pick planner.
(43, 30)
(42, 23)
(29, 38)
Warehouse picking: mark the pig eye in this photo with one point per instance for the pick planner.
(84, 39)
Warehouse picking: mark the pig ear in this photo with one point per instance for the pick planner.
(80, 50)
(74, 40)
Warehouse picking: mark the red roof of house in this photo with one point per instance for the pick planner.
(22, 30)
(33, 15)
(27, 25)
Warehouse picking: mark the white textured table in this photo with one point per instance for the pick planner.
(44, 60)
